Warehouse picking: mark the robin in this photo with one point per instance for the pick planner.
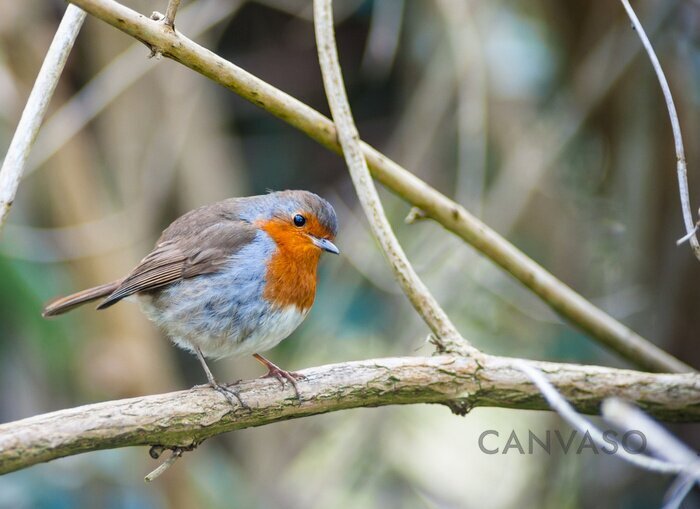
(232, 278)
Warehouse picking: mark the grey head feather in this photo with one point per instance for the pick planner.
(284, 204)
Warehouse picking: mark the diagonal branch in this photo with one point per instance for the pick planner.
(416, 291)
(36, 107)
(186, 418)
(564, 300)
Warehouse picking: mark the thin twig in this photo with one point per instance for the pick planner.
(685, 238)
(564, 300)
(171, 12)
(681, 167)
(577, 421)
(677, 492)
(660, 441)
(349, 138)
(157, 472)
(35, 109)
(677, 458)
(183, 419)
(414, 215)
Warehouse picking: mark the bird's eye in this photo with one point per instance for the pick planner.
(299, 220)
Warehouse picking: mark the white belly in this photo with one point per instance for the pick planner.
(275, 326)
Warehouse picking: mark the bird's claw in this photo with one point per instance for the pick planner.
(231, 395)
(281, 375)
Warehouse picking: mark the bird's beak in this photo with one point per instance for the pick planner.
(325, 245)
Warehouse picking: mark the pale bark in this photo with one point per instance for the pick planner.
(186, 418)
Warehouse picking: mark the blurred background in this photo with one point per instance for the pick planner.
(542, 117)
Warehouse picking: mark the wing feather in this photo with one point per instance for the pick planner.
(184, 253)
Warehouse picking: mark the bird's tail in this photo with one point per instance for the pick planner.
(62, 305)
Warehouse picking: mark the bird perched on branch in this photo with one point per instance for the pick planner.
(229, 279)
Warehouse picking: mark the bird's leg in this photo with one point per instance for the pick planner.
(274, 371)
(225, 391)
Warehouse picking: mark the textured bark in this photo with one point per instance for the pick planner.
(186, 418)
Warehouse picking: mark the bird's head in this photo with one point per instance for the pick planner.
(299, 221)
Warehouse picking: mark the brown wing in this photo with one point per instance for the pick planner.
(193, 245)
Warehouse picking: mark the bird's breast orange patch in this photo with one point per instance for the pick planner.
(291, 272)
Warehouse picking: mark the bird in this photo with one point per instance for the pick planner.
(233, 278)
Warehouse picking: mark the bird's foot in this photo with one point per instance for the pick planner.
(282, 375)
(231, 394)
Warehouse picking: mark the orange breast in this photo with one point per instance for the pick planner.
(291, 273)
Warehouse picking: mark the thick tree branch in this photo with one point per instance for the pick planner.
(186, 418)
(564, 300)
